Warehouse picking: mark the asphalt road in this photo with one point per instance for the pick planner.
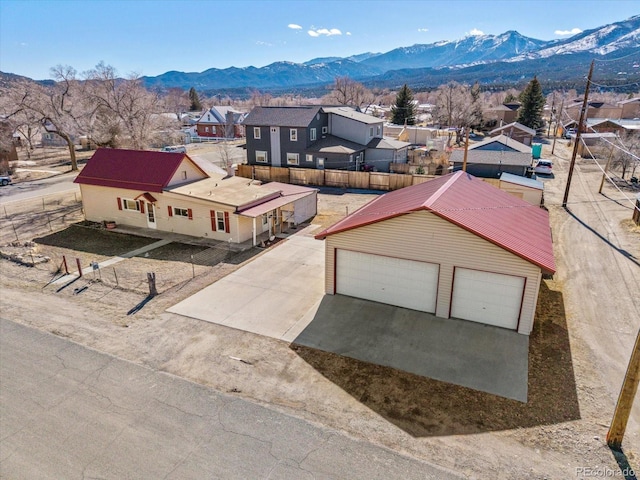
(37, 188)
(70, 412)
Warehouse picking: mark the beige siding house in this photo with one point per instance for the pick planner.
(169, 192)
(454, 246)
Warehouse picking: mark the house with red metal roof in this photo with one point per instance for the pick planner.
(170, 192)
(454, 246)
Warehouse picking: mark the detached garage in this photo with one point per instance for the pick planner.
(454, 246)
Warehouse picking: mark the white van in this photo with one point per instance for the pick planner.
(175, 149)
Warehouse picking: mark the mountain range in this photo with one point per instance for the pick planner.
(489, 59)
(493, 60)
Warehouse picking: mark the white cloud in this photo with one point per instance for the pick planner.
(348, 33)
(316, 32)
(573, 31)
(423, 29)
(266, 44)
(294, 26)
(474, 32)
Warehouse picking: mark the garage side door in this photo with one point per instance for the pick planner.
(395, 281)
(485, 297)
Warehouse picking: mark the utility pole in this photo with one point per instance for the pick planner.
(555, 133)
(625, 399)
(572, 165)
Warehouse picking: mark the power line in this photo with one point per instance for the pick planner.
(615, 86)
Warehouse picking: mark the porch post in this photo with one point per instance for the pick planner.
(254, 232)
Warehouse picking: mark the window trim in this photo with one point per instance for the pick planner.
(294, 160)
(309, 157)
(256, 130)
(312, 134)
(180, 212)
(293, 134)
(125, 205)
(263, 153)
(325, 130)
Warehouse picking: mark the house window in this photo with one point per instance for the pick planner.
(325, 130)
(221, 222)
(256, 133)
(371, 131)
(261, 156)
(265, 220)
(206, 129)
(350, 158)
(293, 134)
(309, 158)
(293, 158)
(378, 130)
(184, 174)
(130, 205)
(181, 212)
(312, 134)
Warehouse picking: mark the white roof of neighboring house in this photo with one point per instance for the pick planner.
(349, 112)
(523, 181)
(386, 143)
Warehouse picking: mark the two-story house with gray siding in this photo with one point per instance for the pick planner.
(280, 136)
(319, 137)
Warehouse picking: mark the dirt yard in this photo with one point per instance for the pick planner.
(586, 322)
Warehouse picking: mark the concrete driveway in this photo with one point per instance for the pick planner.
(281, 295)
(275, 295)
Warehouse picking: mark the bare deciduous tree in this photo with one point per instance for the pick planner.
(456, 107)
(627, 157)
(124, 113)
(347, 91)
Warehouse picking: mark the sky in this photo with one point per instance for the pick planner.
(152, 37)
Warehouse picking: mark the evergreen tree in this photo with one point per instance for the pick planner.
(404, 110)
(195, 106)
(510, 98)
(533, 102)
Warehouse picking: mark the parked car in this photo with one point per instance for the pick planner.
(5, 180)
(175, 149)
(544, 167)
(570, 131)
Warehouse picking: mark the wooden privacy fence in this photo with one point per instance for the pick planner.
(332, 178)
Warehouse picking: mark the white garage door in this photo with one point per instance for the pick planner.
(395, 281)
(486, 297)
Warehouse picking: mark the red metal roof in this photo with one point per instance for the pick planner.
(132, 169)
(476, 206)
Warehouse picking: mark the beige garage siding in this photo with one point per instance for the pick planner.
(425, 237)
(530, 195)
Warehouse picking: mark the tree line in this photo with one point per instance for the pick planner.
(121, 113)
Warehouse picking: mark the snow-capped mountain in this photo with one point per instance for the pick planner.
(507, 56)
(469, 50)
(599, 41)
